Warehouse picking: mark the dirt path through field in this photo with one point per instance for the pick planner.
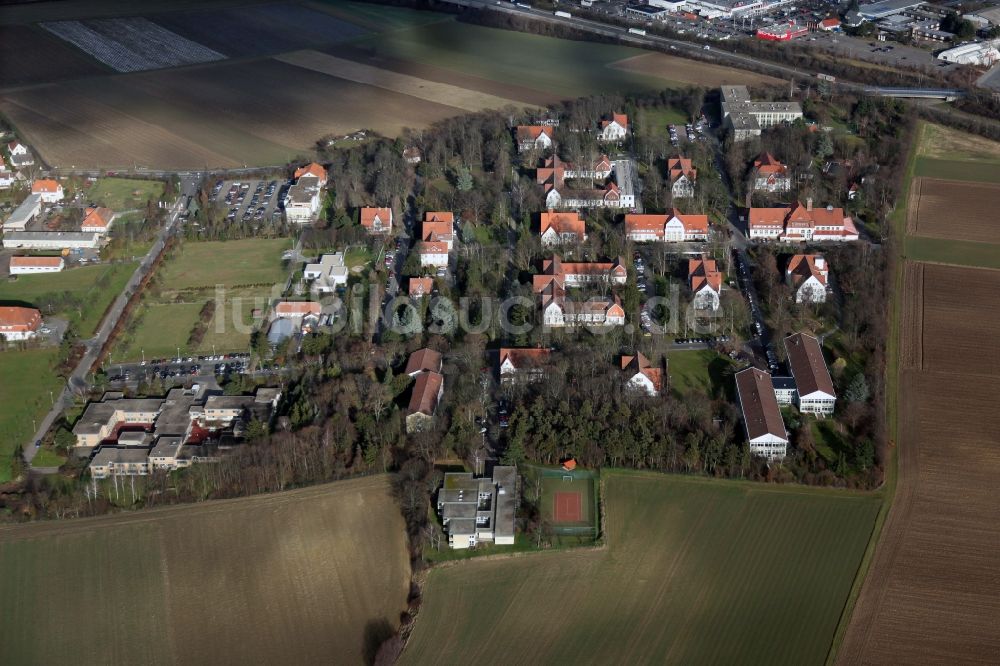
(431, 91)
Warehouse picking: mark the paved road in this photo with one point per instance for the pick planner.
(78, 378)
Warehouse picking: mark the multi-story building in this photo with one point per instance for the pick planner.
(614, 129)
(798, 223)
(522, 364)
(705, 281)
(98, 220)
(747, 118)
(561, 228)
(51, 191)
(671, 227)
(377, 221)
(682, 176)
(642, 376)
(327, 274)
(814, 392)
(770, 175)
(424, 366)
(762, 422)
(476, 510)
(533, 137)
(808, 276)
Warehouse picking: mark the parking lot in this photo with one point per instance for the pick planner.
(250, 201)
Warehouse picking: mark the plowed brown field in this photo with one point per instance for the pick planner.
(932, 594)
(954, 210)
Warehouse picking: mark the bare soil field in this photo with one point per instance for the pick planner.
(467, 100)
(222, 115)
(20, 64)
(260, 29)
(952, 209)
(932, 594)
(682, 70)
(306, 576)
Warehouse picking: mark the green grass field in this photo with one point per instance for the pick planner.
(96, 286)
(696, 571)
(120, 194)
(960, 253)
(192, 274)
(656, 120)
(974, 171)
(26, 377)
(201, 265)
(571, 68)
(702, 371)
(165, 586)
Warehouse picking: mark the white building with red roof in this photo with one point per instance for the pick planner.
(32, 265)
(377, 221)
(312, 169)
(615, 129)
(50, 190)
(770, 175)
(98, 220)
(297, 309)
(801, 223)
(560, 228)
(642, 375)
(814, 392)
(682, 176)
(522, 363)
(533, 137)
(17, 323)
(705, 280)
(671, 227)
(808, 275)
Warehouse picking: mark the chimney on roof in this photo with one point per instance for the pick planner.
(821, 263)
(809, 204)
(829, 207)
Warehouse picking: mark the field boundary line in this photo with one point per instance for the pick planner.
(898, 220)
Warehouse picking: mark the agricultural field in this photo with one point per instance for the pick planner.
(704, 371)
(92, 288)
(681, 70)
(20, 64)
(26, 377)
(246, 271)
(132, 44)
(943, 143)
(928, 595)
(954, 210)
(293, 577)
(695, 571)
(261, 29)
(345, 66)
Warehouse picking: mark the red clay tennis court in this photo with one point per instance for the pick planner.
(568, 506)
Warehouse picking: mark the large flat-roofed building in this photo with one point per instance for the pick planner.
(985, 54)
(733, 8)
(24, 213)
(475, 510)
(762, 420)
(746, 118)
(51, 240)
(880, 10)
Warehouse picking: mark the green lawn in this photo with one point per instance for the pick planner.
(26, 377)
(252, 261)
(162, 329)
(571, 68)
(961, 253)
(975, 171)
(46, 457)
(659, 119)
(357, 256)
(120, 194)
(702, 371)
(95, 286)
(697, 571)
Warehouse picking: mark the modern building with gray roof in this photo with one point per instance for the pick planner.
(474, 510)
(746, 118)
